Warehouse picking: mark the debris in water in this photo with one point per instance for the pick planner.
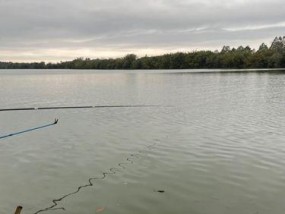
(101, 209)
(18, 210)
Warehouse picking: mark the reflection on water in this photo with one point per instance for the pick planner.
(214, 145)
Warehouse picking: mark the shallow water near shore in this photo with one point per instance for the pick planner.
(215, 142)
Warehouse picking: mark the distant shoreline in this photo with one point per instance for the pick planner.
(228, 58)
(234, 70)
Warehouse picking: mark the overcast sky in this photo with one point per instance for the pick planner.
(55, 30)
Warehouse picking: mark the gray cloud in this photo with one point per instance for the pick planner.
(56, 30)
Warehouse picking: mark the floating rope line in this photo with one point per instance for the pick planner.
(30, 130)
(75, 107)
(111, 171)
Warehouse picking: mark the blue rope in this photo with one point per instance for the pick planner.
(29, 130)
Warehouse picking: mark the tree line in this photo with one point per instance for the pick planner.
(241, 57)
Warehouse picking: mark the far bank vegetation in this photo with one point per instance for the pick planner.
(240, 58)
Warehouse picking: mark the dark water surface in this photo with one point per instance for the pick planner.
(215, 144)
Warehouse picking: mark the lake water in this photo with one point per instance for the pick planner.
(215, 142)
